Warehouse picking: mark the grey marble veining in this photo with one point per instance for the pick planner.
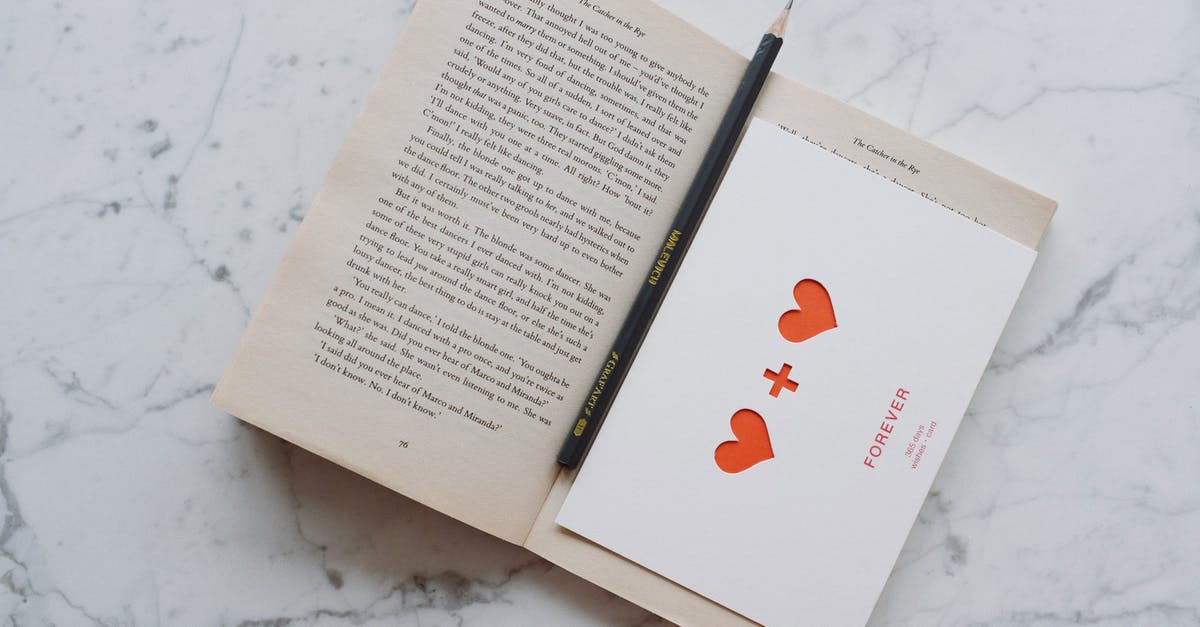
(156, 158)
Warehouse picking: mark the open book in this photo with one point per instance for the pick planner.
(439, 319)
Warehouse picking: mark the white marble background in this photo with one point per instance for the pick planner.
(156, 157)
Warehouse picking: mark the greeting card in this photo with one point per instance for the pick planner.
(789, 409)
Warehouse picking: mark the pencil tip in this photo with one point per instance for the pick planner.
(780, 24)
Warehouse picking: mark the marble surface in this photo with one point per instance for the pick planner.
(156, 158)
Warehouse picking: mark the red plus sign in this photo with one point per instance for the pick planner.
(781, 380)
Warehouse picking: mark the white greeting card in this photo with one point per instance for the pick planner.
(786, 415)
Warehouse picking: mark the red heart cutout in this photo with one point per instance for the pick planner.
(814, 317)
(753, 443)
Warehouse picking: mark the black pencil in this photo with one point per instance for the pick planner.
(701, 191)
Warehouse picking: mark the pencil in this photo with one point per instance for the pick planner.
(650, 296)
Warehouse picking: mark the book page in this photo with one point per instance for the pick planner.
(445, 305)
(947, 180)
(951, 182)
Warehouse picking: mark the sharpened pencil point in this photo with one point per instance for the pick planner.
(780, 24)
